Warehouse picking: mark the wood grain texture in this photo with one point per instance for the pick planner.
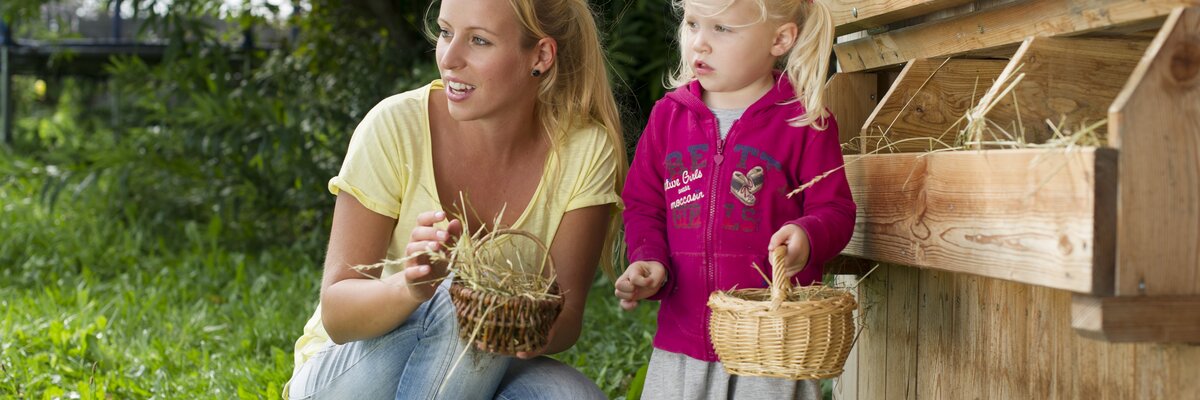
(872, 342)
(855, 15)
(845, 387)
(927, 100)
(1155, 122)
(1068, 81)
(851, 98)
(982, 338)
(902, 292)
(1137, 318)
(1021, 215)
(1001, 26)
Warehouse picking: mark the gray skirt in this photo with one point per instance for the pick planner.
(673, 376)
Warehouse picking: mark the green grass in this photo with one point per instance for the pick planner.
(96, 308)
(614, 343)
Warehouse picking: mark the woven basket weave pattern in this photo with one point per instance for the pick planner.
(783, 332)
(799, 340)
(504, 325)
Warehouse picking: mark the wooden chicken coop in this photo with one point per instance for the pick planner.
(1057, 256)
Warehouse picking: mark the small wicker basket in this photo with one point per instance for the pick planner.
(506, 324)
(783, 332)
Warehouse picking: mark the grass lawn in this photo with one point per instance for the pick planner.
(93, 308)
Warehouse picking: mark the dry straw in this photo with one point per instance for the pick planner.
(783, 331)
(980, 132)
(505, 299)
(504, 306)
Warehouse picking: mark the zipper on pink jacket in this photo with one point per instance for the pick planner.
(709, 255)
(718, 158)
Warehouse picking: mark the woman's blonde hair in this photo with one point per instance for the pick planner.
(574, 93)
(805, 64)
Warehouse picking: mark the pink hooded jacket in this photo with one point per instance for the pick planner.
(706, 208)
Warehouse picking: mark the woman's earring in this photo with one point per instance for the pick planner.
(536, 73)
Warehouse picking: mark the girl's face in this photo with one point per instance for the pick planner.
(730, 52)
(481, 60)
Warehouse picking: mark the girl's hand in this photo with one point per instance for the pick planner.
(797, 245)
(422, 276)
(641, 280)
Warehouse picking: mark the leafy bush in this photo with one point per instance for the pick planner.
(162, 228)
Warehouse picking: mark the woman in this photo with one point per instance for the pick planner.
(522, 121)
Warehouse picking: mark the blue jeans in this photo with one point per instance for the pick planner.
(414, 360)
(546, 378)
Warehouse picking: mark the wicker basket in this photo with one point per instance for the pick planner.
(783, 332)
(506, 324)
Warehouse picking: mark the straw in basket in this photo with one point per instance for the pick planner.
(505, 324)
(783, 332)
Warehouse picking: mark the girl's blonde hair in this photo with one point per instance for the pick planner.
(574, 93)
(805, 64)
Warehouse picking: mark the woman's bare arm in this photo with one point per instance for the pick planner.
(576, 250)
(354, 306)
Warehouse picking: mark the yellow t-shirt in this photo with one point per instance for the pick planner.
(389, 169)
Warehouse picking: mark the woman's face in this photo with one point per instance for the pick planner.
(482, 62)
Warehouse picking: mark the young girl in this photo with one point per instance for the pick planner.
(706, 194)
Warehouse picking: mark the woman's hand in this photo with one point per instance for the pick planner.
(641, 280)
(422, 276)
(796, 241)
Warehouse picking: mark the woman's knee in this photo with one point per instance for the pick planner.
(546, 378)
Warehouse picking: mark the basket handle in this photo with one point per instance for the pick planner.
(780, 285)
(546, 260)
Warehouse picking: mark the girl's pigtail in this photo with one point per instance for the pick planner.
(807, 63)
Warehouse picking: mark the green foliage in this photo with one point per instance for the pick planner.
(614, 344)
(250, 137)
(640, 43)
(162, 228)
(96, 308)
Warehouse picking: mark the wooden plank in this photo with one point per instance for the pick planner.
(1104, 370)
(845, 387)
(1001, 26)
(1137, 318)
(938, 329)
(968, 348)
(856, 15)
(1117, 374)
(970, 377)
(1086, 382)
(851, 98)
(935, 335)
(927, 100)
(1152, 371)
(1069, 81)
(1167, 371)
(972, 344)
(903, 290)
(1155, 122)
(1021, 215)
(1050, 368)
(873, 340)
(1010, 313)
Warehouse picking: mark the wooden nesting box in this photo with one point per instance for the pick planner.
(1022, 271)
